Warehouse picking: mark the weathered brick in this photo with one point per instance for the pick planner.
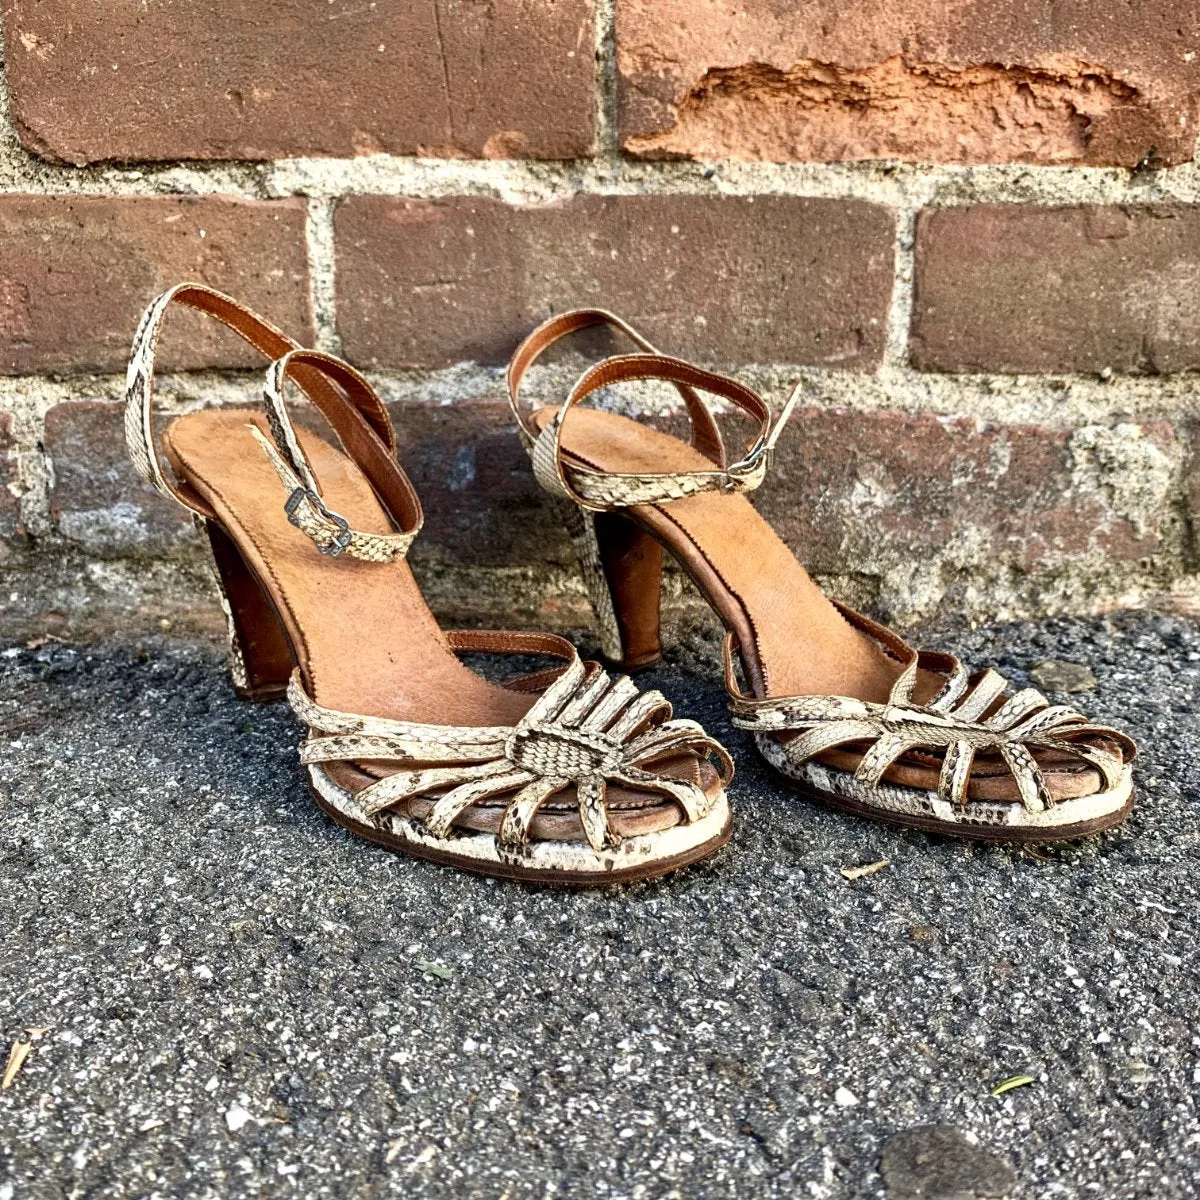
(76, 272)
(9, 509)
(851, 491)
(880, 494)
(97, 500)
(482, 506)
(262, 79)
(1015, 288)
(873, 491)
(732, 279)
(1044, 81)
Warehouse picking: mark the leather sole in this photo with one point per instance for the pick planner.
(1020, 834)
(556, 864)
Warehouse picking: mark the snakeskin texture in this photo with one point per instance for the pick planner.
(896, 800)
(139, 377)
(330, 535)
(306, 511)
(967, 717)
(609, 489)
(602, 490)
(584, 731)
(581, 528)
(139, 434)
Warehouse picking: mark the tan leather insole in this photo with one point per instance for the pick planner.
(364, 636)
(794, 640)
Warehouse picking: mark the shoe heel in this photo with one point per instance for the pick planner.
(260, 658)
(622, 572)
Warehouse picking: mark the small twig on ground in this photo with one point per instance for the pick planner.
(1013, 1081)
(19, 1051)
(853, 873)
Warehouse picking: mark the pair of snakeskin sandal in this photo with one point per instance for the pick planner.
(567, 775)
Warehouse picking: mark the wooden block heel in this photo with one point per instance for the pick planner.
(836, 703)
(621, 567)
(260, 659)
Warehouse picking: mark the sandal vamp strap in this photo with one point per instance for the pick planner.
(964, 719)
(584, 731)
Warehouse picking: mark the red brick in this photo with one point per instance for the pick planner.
(76, 272)
(727, 279)
(1014, 288)
(1044, 81)
(860, 491)
(262, 79)
(9, 509)
(97, 500)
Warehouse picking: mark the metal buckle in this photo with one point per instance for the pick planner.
(340, 540)
(760, 456)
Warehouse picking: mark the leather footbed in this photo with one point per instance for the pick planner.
(794, 641)
(361, 632)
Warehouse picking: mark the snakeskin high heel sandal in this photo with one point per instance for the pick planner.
(564, 776)
(837, 704)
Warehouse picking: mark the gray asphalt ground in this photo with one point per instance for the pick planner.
(247, 1001)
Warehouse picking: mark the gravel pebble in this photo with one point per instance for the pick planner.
(1052, 675)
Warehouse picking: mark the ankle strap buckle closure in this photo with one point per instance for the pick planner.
(340, 540)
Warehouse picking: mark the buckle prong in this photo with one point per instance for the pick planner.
(340, 540)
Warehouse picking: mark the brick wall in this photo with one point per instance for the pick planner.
(973, 231)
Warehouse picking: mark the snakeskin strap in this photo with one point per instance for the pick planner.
(585, 731)
(140, 437)
(330, 532)
(968, 716)
(361, 422)
(601, 490)
(342, 395)
(581, 529)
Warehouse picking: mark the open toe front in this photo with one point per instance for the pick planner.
(972, 759)
(595, 781)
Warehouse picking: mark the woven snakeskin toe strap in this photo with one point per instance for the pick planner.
(970, 715)
(585, 731)
(601, 490)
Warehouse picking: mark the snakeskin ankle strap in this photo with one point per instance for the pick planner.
(601, 490)
(341, 394)
(359, 419)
